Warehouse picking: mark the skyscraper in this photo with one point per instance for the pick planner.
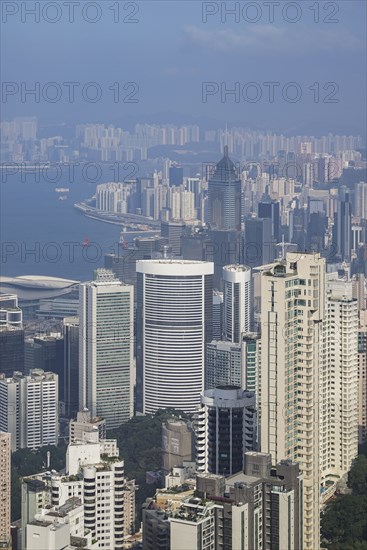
(71, 365)
(342, 229)
(292, 313)
(174, 322)
(268, 208)
(258, 242)
(106, 342)
(225, 429)
(29, 409)
(224, 195)
(5, 453)
(236, 301)
(11, 349)
(223, 365)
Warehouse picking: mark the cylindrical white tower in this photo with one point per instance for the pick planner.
(236, 301)
(174, 322)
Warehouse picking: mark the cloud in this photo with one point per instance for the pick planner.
(269, 39)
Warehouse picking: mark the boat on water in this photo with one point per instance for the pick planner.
(86, 242)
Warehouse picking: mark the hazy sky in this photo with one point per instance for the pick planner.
(171, 50)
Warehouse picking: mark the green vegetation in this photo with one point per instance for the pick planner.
(140, 444)
(26, 462)
(344, 521)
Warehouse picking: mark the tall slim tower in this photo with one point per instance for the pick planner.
(5, 490)
(236, 301)
(174, 322)
(224, 196)
(292, 313)
(106, 340)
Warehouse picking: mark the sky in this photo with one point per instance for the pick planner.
(296, 67)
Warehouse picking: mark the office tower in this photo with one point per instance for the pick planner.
(362, 377)
(217, 315)
(317, 227)
(71, 365)
(223, 247)
(291, 169)
(106, 340)
(46, 352)
(5, 461)
(177, 443)
(123, 263)
(175, 175)
(11, 349)
(10, 313)
(361, 200)
(84, 424)
(174, 322)
(94, 475)
(297, 228)
(29, 409)
(267, 208)
(292, 312)
(224, 196)
(338, 385)
(342, 229)
(259, 244)
(172, 232)
(225, 428)
(236, 301)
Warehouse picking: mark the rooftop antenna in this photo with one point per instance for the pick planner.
(226, 141)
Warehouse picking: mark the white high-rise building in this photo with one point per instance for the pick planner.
(309, 384)
(292, 315)
(5, 490)
(95, 475)
(174, 322)
(29, 409)
(236, 301)
(106, 340)
(338, 383)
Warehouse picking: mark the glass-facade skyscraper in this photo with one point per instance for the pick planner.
(224, 196)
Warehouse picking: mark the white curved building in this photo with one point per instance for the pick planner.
(174, 322)
(236, 301)
(36, 287)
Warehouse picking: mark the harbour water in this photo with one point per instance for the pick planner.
(41, 235)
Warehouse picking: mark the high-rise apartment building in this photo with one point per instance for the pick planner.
(106, 375)
(236, 301)
(29, 409)
(292, 314)
(224, 196)
(95, 475)
(223, 365)
(225, 428)
(362, 377)
(5, 490)
(338, 384)
(174, 322)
